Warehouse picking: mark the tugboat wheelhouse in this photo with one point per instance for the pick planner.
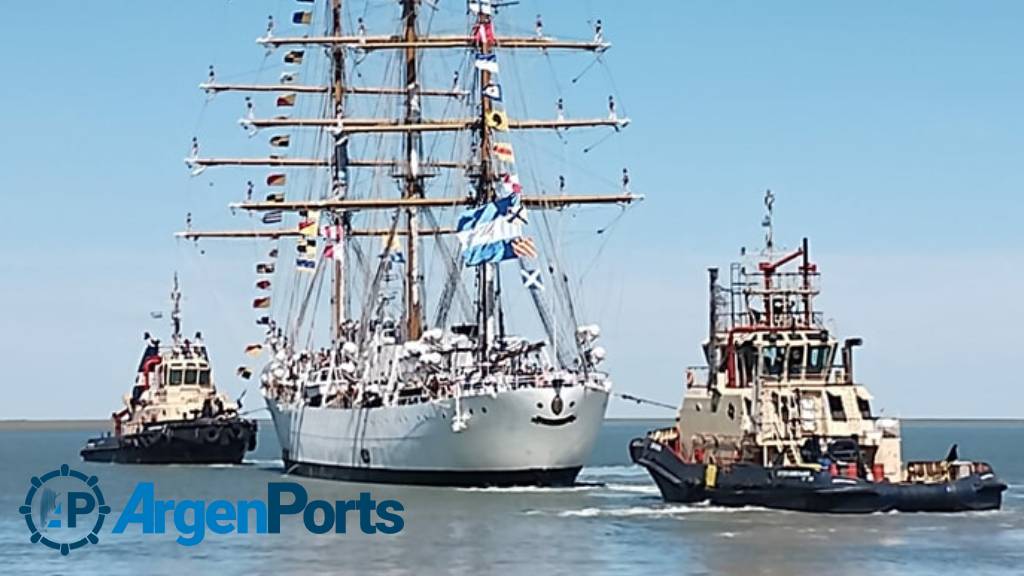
(776, 418)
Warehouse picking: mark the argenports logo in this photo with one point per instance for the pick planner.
(64, 509)
(192, 519)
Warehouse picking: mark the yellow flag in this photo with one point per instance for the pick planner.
(311, 224)
(498, 120)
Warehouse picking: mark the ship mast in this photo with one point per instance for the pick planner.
(338, 176)
(484, 194)
(410, 125)
(413, 180)
(176, 312)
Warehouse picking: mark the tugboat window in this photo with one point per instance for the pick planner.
(796, 361)
(864, 406)
(773, 360)
(174, 377)
(748, 363)
(816, 359)
(204, 378)
(191, 377)
(835, 407)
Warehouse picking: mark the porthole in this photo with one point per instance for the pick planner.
(483, 409)
(572, 404)
(540, 406)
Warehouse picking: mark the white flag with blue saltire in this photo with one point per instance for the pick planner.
(531, 279)
(488, 233)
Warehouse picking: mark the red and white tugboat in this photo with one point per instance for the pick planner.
(773, 421)
(175, 415)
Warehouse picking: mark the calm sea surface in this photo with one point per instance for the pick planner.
(613, 523)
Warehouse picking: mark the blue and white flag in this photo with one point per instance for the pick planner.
(487, 62)
(531, 279)
(305, 264)
(483, 7)
(488, 233)
(493, 91)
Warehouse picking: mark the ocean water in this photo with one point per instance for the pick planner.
(612, 523)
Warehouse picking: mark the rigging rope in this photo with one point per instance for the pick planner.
(640, 400)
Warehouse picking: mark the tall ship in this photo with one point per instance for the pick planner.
(393, 345)
(175, 414)
(777, 419)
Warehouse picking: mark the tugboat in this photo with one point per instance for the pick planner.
(174, 414)
(771, 422)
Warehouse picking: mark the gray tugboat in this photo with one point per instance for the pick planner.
(175, 415)
(772, 422)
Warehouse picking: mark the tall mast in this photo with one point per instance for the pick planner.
(413, 182)
(712, 354)
(176, 311)
(338, 176)
(335, 203)
(485, 193)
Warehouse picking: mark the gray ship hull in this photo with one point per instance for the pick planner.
(512, 437)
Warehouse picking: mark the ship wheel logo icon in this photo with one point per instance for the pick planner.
(64, 509)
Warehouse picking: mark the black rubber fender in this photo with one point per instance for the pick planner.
(211, 434)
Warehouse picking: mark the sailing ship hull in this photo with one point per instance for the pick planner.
(511, 438)
(805, 490)
(202, 441)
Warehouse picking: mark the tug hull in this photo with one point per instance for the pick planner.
(807, 490)
(200, 441)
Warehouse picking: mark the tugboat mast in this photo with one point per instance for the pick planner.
(176, 312)
(712, 352)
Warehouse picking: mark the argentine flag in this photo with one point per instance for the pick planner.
(486, 232)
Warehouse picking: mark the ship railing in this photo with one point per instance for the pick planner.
(180, 352)
(831, 376)
(697, 377)
(755, 318)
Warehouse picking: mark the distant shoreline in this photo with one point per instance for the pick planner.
(94, 425)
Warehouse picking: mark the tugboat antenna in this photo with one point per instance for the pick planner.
(769, 203)
(712, 354)
(176, 312)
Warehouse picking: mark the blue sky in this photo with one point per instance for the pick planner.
(891, 133)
